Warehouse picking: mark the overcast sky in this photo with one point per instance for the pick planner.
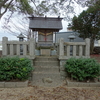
(4, 33)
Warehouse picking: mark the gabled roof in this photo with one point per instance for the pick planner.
(38, 23)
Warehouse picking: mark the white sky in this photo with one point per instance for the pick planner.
(4, 33)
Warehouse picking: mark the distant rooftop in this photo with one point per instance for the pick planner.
(52, 23)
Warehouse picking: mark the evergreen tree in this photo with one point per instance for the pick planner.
(87, 24)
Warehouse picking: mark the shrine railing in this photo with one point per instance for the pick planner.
(67, 50)
(18, 48)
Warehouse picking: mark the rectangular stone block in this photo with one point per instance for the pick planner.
(45, 52)
(22, 84)
(95, 84)
(2, 84)
(72, 84)
(62, 63)
(62, 68)
(63, 73)
(10, 84)
(81, 84)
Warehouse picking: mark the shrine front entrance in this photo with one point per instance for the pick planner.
(45, 38)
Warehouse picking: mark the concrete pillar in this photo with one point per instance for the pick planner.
(74, 50)
(87, 50)
(62, 69)
(18, 49)
(98, 42)
(24, 50)
(80, 51)
(61, 47)
(4, 46)
(32, 47)
(68, 51)
(57, 46)
(11, 50)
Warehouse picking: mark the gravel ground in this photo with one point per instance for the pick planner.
(46, 93)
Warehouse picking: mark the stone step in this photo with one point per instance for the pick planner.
(41, 58)
(46, 79)
(46, 63)
(46, 69)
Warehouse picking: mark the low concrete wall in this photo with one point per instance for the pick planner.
(83, 84)
(13, 84)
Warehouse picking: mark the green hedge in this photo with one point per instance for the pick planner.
(14, 68)
(82, 69)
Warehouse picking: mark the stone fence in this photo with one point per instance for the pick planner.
(67, 50)
(74, 49)
(18, 48)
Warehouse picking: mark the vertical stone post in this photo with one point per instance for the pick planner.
(11, 50)
(62, 69)
(87, 50)
(61, 47)
(98, 42)
(4, 46)
(18, 49)
(68, 51)
(24, 50)
(32, 47)
(74, 50)
(57, 47)
(80, 51)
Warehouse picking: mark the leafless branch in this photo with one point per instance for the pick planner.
(7, 7)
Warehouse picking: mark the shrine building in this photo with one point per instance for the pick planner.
(46, 27)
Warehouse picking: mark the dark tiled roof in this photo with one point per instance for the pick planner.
(37, 23)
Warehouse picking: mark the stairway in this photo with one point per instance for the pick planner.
(46, 71)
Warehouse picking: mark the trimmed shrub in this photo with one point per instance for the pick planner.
(82, 69)
(14, 68)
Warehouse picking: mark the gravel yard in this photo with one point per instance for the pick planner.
(45, 93)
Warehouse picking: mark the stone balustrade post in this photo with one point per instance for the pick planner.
(4, 46)
(98, 42)
(32, 47)
(87, 50)
(61, 47)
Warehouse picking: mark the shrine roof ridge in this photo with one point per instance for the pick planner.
(33, 17)
(45, 23)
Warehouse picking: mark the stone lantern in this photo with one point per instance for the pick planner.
(71, 38)
(21, 37)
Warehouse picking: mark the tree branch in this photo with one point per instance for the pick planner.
(34, 4)
(7, 7)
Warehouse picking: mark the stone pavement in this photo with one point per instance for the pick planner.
(46, 72)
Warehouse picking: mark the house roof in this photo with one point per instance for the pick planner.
(52, 23)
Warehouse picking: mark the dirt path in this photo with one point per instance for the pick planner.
(44, 93)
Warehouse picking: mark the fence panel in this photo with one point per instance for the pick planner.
(74, 49)
(18, 48)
